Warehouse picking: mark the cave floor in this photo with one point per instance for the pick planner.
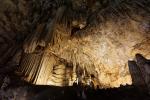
(71, 93)
(42, 92)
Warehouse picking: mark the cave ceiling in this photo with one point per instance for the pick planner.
(58, 42)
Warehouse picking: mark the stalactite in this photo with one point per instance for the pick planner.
(108, 34)
(29, 65)
(50, 26)
(31, 42)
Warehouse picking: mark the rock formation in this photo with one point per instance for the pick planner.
(139, 70)
(59, 42)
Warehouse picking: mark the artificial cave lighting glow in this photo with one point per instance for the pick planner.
(53, 54)
(104, 54)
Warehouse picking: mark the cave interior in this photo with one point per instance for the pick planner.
(74, 49)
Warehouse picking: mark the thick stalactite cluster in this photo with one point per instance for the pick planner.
(59, 42)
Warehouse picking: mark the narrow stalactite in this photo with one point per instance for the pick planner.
(96, 37)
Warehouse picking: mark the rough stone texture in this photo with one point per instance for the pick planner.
(105, 50)
(143, 65)
(38, 35)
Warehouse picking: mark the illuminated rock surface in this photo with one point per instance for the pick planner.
(105, 50)
(100, 47)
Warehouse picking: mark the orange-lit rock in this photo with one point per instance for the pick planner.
(105, 50)
(107, 35)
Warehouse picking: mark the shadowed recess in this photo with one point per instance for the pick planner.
(60, 42)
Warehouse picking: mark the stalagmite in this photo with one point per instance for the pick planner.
(97, 37)
(137, 77)
(139, 70)
(144, 66)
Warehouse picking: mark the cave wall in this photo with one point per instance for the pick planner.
(37, 36)
(104, 50)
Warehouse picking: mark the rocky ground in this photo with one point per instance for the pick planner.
(24, 91)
